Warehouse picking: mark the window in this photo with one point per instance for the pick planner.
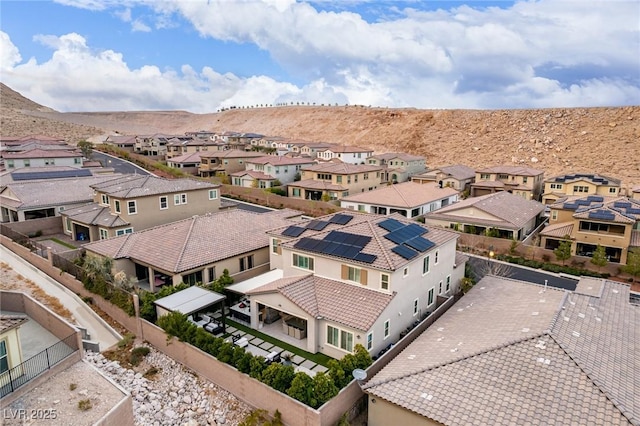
(116, 206)
(440, 287)
(124, 231)
(430, 298)
(246, 263)
(387, 328)
(27, 163)
(192, 278)
(179, 199)
(340, 338)
(105, 199)
(611, 190)
(365, 176)
(67, 224)
(76, 161)
(352, 273)
(448, 283)
(554, 214)
(425, 265)
(369, 341)
(338, 179)
(4, 357)
(164, 202)
(415, 307)
(276, 248)
(384, 281)
(556, 186)
(132, 207)
(579, 188)
(405, 272)
(435, 260)
(212, 273)
(295, 192)
(49, 162)
(485, 176)
(104, 234)
(303, 262)
(503, 176)
(213, 194)
(524, 179)
(360, 207)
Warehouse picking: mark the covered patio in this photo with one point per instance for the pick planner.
(202, 307)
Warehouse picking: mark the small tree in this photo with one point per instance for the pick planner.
(302, 389)
(513, 247)
(599, 257)
(633, 263)
(563, 251)
(324, 388)
(222, 282)
(86, 148)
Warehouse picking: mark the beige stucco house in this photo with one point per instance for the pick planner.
(10, 348)
(134, 202)
(334, 181)
(525, 182)
(459, 177)
(223, 163)
(579, 184)
(398, 166)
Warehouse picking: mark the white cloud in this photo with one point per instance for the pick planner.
(124, 15)
(9, 54)
(139, 26)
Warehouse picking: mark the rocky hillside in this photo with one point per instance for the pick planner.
(561, 140)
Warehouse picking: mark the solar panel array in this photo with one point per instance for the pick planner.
(602, 215)
(595, 198)
(592, 177)
(293, 231)
(341, 219)
(408, 238)
(340, 244)
(622, 204)
(58, 174)
(317, 225)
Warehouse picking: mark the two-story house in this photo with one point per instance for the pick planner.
(223, 163)
(263, 172)
(635, 192)
(181, 147)
(346, 154)
(332, 181)
(355, 279)
(188, 163)
(134, 202)
(579, 184)
(592, 220)
(398, 166)
(519, 180)
(409, 199)
(310, 149)
(127, 143)
(458, 176)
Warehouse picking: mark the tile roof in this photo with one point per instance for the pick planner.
(280, 160)
(95, 214)
(511, 352)
(348, 304)
(401, 155)
(512, 170)
(317, 184)
(42, 153)
(254, 174)
(363, 224)
(511, 211)
(622, 209)
(458, 171)
(347, 149)
(8, 322)
(591, 177)
(131, 186)
(121, 139)
(192, 157)
(557, 230)
(342, 168)
(404, 195)
(196, 241)
(46, 192)
(231, 153)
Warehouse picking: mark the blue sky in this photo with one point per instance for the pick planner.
(203, 55)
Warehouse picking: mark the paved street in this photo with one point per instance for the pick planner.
(119, 165)
(480, 267)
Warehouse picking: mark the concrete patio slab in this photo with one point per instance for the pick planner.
(297, 359)
(308, 364)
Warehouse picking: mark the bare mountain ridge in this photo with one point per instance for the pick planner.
(557, 140)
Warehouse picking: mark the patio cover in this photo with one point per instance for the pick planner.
(189, 300)
(244, 286)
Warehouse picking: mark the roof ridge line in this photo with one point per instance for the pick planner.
(458, 359)
(121, 248)
(594, 381)
(385, 253)
(186, 240)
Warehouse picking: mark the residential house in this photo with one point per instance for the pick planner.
(241, 141)
(398, 166)
(9, 141)
(49, 172)
(38, 157)
(203, 134)
(283, 168)
(310, 149)
(252, 179)
(579, 184)
(10, 347)
(500, 214)
(635, 192)
(458, 177)
(196, 249)
(517, 353)
(134, 202)
(156, 145)
(346, 154)
(181, 147)
(223, 163)
(592, 220)
(127, 143)
(354, 279)
(409, 199)
(334, 181)
(35, 199)
(269, 142)
(526, 182)
(188, 163)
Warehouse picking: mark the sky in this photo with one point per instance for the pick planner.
(205, 55)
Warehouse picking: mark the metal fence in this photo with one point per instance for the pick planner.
(28, 370)
(67, 265)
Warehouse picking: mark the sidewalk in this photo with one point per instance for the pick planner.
(85, 317)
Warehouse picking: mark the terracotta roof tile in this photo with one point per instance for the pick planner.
(404, 195)
(342, 168)
(557, 230)
(131, 186)
(8, 322)
(512, 170)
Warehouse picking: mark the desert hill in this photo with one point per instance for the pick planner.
(559, 140)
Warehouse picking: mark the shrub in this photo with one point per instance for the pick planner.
(137, 354)
(84, 405)
(73, 386)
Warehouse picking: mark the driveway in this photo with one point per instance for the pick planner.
(85, 317)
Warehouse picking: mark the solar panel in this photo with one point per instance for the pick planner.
(365, 257)
(569, 206)
(350, 252)
(317, 225)
(293, 231)
(419, 243)
(58, 174)
(337, 236)
(405, 252)
(391, 225)
(395, 237)
(341, 219)
(596, 198)
(633, 211)
(416, 229)
(303, 243)
(621, 204)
